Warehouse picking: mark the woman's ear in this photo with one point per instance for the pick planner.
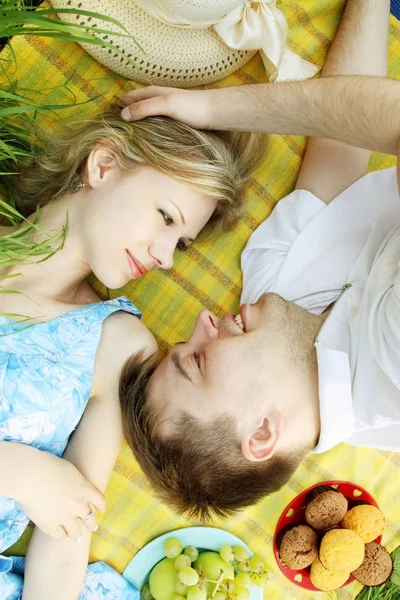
(262, 443)
(99, 163)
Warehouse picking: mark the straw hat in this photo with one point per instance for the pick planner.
(186, 43)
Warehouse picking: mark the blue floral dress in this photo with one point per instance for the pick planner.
(46, 373)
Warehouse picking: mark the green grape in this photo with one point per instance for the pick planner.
(243, 567)
(257, 563)
(172, 547)
(240, 553)
(210, 587)
(226, 553)
(182, 561)
(228, 586)
(178, 597)
(145, 592)
(180, 588)
(219, 596)
(162, 580)
(212, 564)
(260, 579)
(191, 552)
(240, 593)
(188, 576)
(197, 592)
(254, 578)
(242, 580)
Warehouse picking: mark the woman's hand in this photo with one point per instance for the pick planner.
(58, 498)
(190, 106)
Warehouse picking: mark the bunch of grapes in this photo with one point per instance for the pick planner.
(186, 574)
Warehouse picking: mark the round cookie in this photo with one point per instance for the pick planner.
(299, 547)
(341, 550)
(366, 520)
(377, 566)
(326, 580)
(326, 510)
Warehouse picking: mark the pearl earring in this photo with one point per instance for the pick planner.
(78, 186)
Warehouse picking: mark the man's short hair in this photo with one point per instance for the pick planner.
(200, 468)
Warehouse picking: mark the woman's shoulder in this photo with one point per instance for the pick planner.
(122, 336)
(124, 329)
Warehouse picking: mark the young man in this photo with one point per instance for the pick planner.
(315, 357)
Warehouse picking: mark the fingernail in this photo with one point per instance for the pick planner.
(95, 528)
(125, 114)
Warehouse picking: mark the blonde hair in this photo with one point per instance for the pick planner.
(217, 164)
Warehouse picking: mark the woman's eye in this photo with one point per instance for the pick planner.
(197, 359)
(167, 218)
(181, 245)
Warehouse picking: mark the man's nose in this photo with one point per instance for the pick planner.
(205, 329)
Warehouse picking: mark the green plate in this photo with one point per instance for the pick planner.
(204, 538)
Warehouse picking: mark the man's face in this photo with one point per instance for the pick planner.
(230, 368)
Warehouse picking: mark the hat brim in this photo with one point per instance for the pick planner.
(163, 54)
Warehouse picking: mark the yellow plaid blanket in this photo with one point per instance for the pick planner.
(208, 276)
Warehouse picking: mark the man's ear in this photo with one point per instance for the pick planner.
(262, 443)
(98, 164)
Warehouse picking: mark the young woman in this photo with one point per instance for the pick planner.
(130, 194)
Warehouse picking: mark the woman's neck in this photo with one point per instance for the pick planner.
(59, 277)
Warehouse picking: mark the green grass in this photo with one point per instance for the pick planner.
(19, 109)
(389, 590)
(20, 18)
(20, 247)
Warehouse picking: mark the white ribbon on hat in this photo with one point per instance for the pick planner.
(255, 25)
(261, 26)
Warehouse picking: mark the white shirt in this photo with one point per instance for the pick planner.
(346, 252)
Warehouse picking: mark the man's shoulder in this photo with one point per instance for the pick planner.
(270, 245)
(306, 246)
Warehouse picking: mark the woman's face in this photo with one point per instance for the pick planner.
(134, 221)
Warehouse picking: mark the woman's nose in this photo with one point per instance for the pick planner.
(163, 255)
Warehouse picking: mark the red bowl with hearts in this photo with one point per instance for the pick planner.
(294, 514)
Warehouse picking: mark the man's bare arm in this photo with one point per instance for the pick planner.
(357, 110)
(361, 111)
(360, 47)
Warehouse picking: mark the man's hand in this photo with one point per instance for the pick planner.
(356, 110)
(190, 106)
(57, 497)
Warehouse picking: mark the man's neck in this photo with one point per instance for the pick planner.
(301, 405)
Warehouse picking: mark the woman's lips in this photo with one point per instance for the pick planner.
(135, 266)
